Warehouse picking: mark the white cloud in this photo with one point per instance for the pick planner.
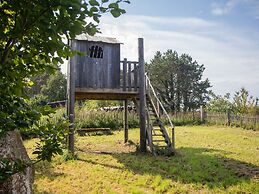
(229, 55)
(222, 9)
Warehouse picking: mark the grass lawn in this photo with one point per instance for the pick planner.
(208, 160)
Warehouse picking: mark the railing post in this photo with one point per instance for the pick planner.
(142, 96)
(124, 74)
(158, 108)
(135, 77)
(129, 76)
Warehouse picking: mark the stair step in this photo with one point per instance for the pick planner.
(162, 146)
(157, 135)
(158, 140)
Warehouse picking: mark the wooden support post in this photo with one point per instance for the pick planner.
(71, 99)
(126, 125)
(142, 96)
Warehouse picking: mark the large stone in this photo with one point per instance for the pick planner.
(11, 147)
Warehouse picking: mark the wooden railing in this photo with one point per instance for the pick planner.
(130, 75)
(153, 97)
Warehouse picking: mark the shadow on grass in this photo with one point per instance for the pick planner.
(46, 169)
(190, 165)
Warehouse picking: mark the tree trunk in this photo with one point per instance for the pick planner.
(12, 148)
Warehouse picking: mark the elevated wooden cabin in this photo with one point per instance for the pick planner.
(99, 73)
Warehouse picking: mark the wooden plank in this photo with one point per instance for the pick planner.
(142, 96)
(126, 125)
(135, 77)
(129, 76)
(116, 65)
(124, 76)
(105, 68)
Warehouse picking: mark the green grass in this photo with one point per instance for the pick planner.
(208, 160)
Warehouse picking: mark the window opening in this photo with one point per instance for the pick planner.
(96, 52)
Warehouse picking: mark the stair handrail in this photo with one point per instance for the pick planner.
(160, 103)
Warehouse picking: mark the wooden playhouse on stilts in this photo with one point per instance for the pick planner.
(100, 74)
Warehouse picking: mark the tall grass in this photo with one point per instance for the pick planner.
(185, 118)
(104, 119)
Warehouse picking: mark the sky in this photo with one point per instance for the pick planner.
(221, 34)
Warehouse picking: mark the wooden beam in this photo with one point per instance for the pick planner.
(126, 125)
(142, 96)
(105, 95)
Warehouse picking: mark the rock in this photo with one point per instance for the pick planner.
(11, 147)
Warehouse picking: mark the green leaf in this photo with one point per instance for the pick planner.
(115, 13)
(114, 6)
(94, 9)
(94, 3)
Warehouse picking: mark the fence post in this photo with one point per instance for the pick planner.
(202, 114)
(228, 119)
(255, 123)
(173, 140)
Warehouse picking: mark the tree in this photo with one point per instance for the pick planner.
(243, 103)
(32, 35)
(220, 104)
(178, 80)
(55, 88)
(38, 81)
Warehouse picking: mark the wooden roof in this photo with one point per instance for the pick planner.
(97, 39)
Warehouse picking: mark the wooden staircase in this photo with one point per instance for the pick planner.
(158, 139)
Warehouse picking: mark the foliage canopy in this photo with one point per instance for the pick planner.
(32, 35)
(178, 80)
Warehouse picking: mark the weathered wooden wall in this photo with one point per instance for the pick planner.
(97, 72)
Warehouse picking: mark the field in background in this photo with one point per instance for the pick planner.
(208, 159)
